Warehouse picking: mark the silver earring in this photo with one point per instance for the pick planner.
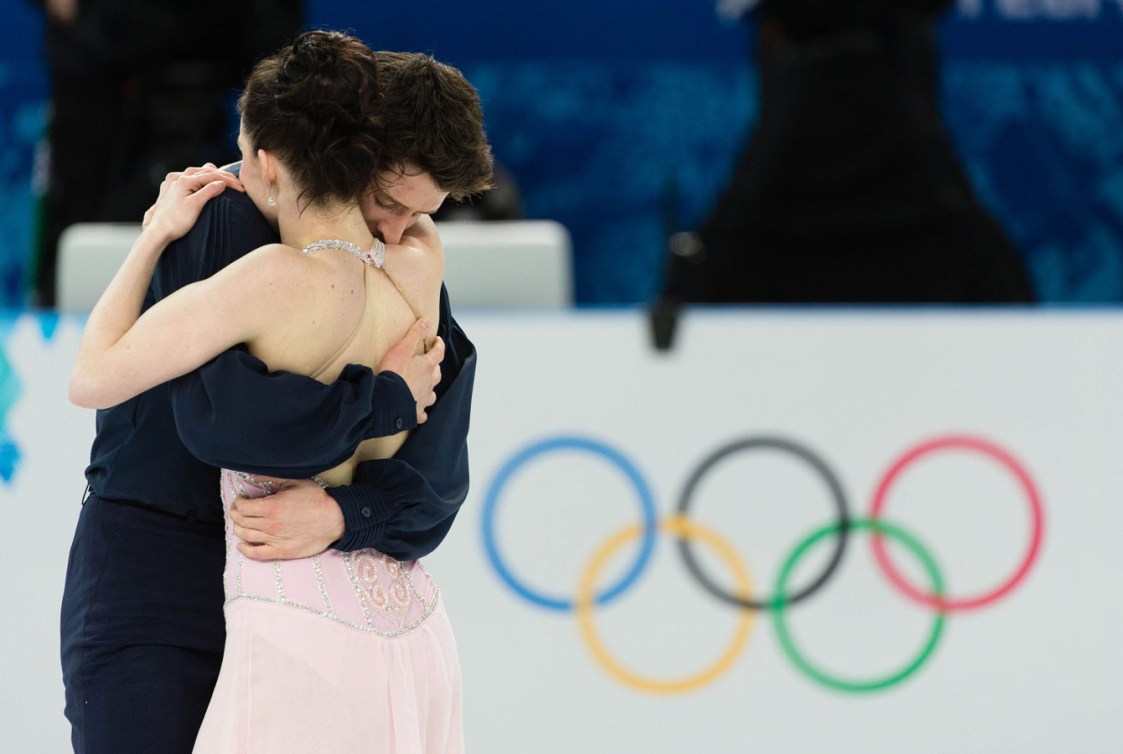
(270, 199)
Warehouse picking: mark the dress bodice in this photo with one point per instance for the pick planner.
(365, 589)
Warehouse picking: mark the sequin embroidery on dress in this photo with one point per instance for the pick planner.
(375, 255)
(383, 583)
(366, 590)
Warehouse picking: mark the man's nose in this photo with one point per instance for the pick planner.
(392, 229)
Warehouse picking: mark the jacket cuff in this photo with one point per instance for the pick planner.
(393, 407)
(364, 520)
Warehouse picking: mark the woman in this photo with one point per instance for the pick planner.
(338, 652)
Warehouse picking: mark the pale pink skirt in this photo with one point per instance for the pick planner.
(294, 681)
(340, 652)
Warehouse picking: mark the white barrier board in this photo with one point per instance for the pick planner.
(993, 439)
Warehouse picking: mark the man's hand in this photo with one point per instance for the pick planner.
(419, 366)
(299, 520)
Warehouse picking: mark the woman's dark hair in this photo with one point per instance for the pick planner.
(315, 105)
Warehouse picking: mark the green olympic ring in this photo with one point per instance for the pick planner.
(779, 605)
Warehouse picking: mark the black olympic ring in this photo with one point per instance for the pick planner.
(685, 544)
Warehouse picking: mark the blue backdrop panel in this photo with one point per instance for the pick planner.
(23, 92)
(622, 120)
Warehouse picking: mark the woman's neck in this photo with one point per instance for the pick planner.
(323, 221)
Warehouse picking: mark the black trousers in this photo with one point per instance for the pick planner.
(142, 628)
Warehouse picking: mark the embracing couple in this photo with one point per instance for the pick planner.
(285, 400)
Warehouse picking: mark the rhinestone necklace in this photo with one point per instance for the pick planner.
(375, 255)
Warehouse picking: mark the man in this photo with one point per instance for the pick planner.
(142, 624)
(131, 82)
(849, 189)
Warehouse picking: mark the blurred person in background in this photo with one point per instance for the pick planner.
(138, 89)
(849, 189)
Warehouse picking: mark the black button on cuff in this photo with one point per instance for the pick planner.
(366, 512)
(398, 423)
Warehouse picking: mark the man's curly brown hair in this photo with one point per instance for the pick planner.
(431, 119)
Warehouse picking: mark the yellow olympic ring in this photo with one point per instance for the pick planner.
(681, 527)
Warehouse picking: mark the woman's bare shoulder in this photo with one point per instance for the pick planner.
(424, 240)
(279, 254)
(276, 277)
(276, 263)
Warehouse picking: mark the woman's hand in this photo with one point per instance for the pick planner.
(182, 196)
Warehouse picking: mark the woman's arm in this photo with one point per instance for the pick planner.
(123, 353)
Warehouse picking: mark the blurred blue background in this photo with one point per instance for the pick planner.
(622, 120)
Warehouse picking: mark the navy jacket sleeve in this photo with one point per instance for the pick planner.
(235, 413)
(295, 426)
(404, 506)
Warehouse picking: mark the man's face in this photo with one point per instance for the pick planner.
(397, 200)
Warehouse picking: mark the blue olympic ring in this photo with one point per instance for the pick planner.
(647, 502)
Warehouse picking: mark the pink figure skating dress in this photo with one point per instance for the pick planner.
(339, 652)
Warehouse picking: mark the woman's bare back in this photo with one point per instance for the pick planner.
(353, 312)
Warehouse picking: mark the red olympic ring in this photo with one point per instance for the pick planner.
(1036, 515)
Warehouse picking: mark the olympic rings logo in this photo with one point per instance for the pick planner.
(687, 532)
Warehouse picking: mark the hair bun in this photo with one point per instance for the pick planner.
(316, 104)
(322, 78)
(309, 56)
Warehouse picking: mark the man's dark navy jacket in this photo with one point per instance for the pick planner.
(163, 447)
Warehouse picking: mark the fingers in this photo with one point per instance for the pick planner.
(434, 356)
(207, 192)
(204, 166)
(199, 176)
(280, 549)
(182, 197)
(436, 350)
(426, 402)
(399, 358)
(194, 170)
(183, 184)
(248, 507)
(252, 536)
(250, 522)
(277, 551)
(175, 175)
(416, 334)
(259, 552)
(196, 181)
(435, 376)
(229, 179)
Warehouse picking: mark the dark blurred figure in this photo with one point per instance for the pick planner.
(849, 190)
(140, 88)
